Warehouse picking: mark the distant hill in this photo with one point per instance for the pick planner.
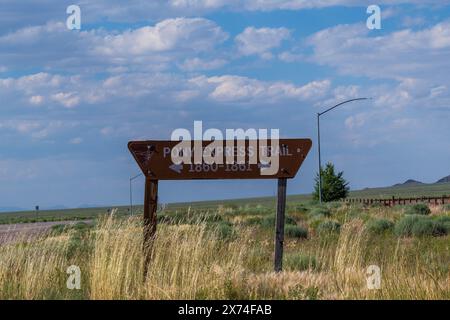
(444, 180)
(409, 183)
(412, 182)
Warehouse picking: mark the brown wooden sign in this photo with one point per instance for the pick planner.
(238, 159)
(155, 159)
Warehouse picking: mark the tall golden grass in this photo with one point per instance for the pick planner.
(193, 262)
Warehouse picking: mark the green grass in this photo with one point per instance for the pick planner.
(300, 262)
(227, 253)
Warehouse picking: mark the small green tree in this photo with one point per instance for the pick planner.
(334, 186)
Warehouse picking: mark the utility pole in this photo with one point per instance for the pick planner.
(318, 139)
(320, 160)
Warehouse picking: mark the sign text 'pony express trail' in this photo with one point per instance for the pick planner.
(219, 159)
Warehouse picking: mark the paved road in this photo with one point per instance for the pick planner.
(25, 231)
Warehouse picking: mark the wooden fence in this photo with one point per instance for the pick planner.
(401, 201)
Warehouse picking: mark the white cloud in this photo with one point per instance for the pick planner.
(186, 95)
(36, 129)
(409, 21)
(266, 5)
(414, 64)
(197, 64)
(287, 56)
(398, 55)
(31, 83)
(200, 4)
(261, 41)
(269, 5)
(231, 88)
(196, 34)
(75, 91)
(38, 12)
(36, 100)
(356, 121)
(138, 85)
(346, 92)
(106, 131)
(40, 87)
(147, 48)
(21, 126)
(438, 91)
(67, 99)
(33, 34)
(404, 123)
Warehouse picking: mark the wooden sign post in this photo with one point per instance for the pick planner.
(155, 160)
(279, 224)
(150, 222)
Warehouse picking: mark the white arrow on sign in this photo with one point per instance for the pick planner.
(176, 167)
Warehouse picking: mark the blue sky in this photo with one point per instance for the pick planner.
(72, 99)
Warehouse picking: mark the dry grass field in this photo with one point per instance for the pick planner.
(227, 254)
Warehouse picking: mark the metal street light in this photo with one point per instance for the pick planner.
(131, 191)
(318, 138)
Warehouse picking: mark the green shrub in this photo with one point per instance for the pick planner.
(419, 226)
(320, 211)
(334, 205)
(328, 226)
(420, 208)
(81, 226)
(403, 227)
(211, 217)
(269, 221)
(295, 232)
(443, 222)
(58, 229)
(354, 213)
(231, 206)
(79, 243)
(447, 207)
(253, 221)
(379, 226)
(315, 221)
(312, 203)
(298, 207)
(376, 205)
(299, 262)
(289, 220)
(255, 210)
(225, 230)
(428, 227)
